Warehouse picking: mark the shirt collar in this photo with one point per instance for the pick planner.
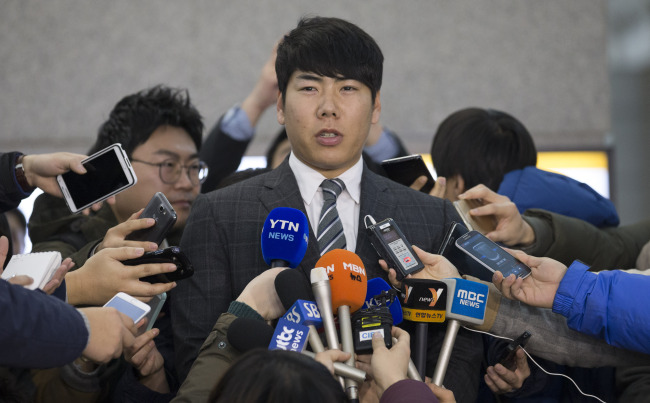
(309, 179)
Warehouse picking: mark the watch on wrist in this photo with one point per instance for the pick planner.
(20, 175)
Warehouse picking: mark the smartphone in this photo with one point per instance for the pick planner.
(163, 213)
(490, 255)
(156, 303)
(406, 170)
(173, 254)
(482, 224)
(509, 357)
(128, 305)
(108, 173)
(464, 263)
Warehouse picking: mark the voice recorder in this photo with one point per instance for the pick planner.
(392, 246)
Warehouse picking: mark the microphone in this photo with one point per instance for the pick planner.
(466, 302)
(377, 286)
(348, 283)
(245, 334)
(424, 303)
(320, 285)
(305, 313)
(284, 237)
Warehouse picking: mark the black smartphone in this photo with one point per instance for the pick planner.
(406, 170)
(509, 357)
(464, 263)
(108, 172)
(173, 254)
(163, 213)
(490, 255)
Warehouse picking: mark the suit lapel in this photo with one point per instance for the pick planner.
(281, 190)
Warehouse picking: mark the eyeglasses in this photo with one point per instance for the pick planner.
(170, 171)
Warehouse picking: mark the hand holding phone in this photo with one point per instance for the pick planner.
(406, 170)
(108, 172)
(464, 263)
(163, 213)
(172, 254)
(490, 255)
(128, 305)
(509, 357)
(482, 224)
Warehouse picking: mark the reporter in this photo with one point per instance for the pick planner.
(610, 304)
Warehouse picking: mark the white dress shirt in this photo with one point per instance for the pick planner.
(347, 203)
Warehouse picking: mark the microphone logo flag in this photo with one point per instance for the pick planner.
(289, 336)
(467, 300)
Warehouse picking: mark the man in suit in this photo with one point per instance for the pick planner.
(329, 76)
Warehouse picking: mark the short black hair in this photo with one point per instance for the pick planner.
(330, 47)
(263, 375)
(481, 145)
(135, 117)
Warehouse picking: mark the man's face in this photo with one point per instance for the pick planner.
(327, 120)
(167, 143)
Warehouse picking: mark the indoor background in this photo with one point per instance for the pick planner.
(576, 73)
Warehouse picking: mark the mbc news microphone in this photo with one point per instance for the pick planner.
(285, 236)
(466, 302)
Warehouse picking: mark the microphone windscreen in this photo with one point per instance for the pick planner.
(375, 287)
(246, 334)
(285, 236)
(347, 276)
(292, 285)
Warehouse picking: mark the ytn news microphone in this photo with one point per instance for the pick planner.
(424, 303)
(466, 302)
(285, 236)
(348, 283)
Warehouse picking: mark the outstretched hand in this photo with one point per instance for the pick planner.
(436, 267)
(539, 288)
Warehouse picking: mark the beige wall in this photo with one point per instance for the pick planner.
(66, 63)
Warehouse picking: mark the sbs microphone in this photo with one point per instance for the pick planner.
(348, 283)
(466, 302)
(306, 313)
(284, 237)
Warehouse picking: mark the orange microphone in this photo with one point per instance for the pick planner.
(348, 284)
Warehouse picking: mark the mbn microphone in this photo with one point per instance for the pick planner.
(284, 237)
(466, 302)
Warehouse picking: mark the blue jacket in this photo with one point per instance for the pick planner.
(38, 330)
(610, 305)
(534, 188)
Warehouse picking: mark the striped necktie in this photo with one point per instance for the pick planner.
(330, 228)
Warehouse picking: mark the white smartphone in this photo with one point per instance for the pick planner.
(490, 255)
(108, 173)
(156, 303)
(128, 305)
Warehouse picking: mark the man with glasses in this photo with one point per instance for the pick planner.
(161, 132)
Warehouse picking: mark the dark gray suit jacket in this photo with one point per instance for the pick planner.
(222, 240)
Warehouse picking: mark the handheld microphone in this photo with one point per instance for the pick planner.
(424, 303)
(377, 286)
(306, 313)
(320, 285)
(284, 237)
(348, 284)
(245, 334)
(290, 336)
(466, 302)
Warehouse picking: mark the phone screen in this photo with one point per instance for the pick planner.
(126, 308)
(491, 255)
(406, 170)
(104, 176)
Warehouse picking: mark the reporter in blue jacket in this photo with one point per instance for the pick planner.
(611, 305)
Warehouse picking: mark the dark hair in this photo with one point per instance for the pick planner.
(481, 146)
(137, 116)
(329, 47)
(279, 139)
(263, 375)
